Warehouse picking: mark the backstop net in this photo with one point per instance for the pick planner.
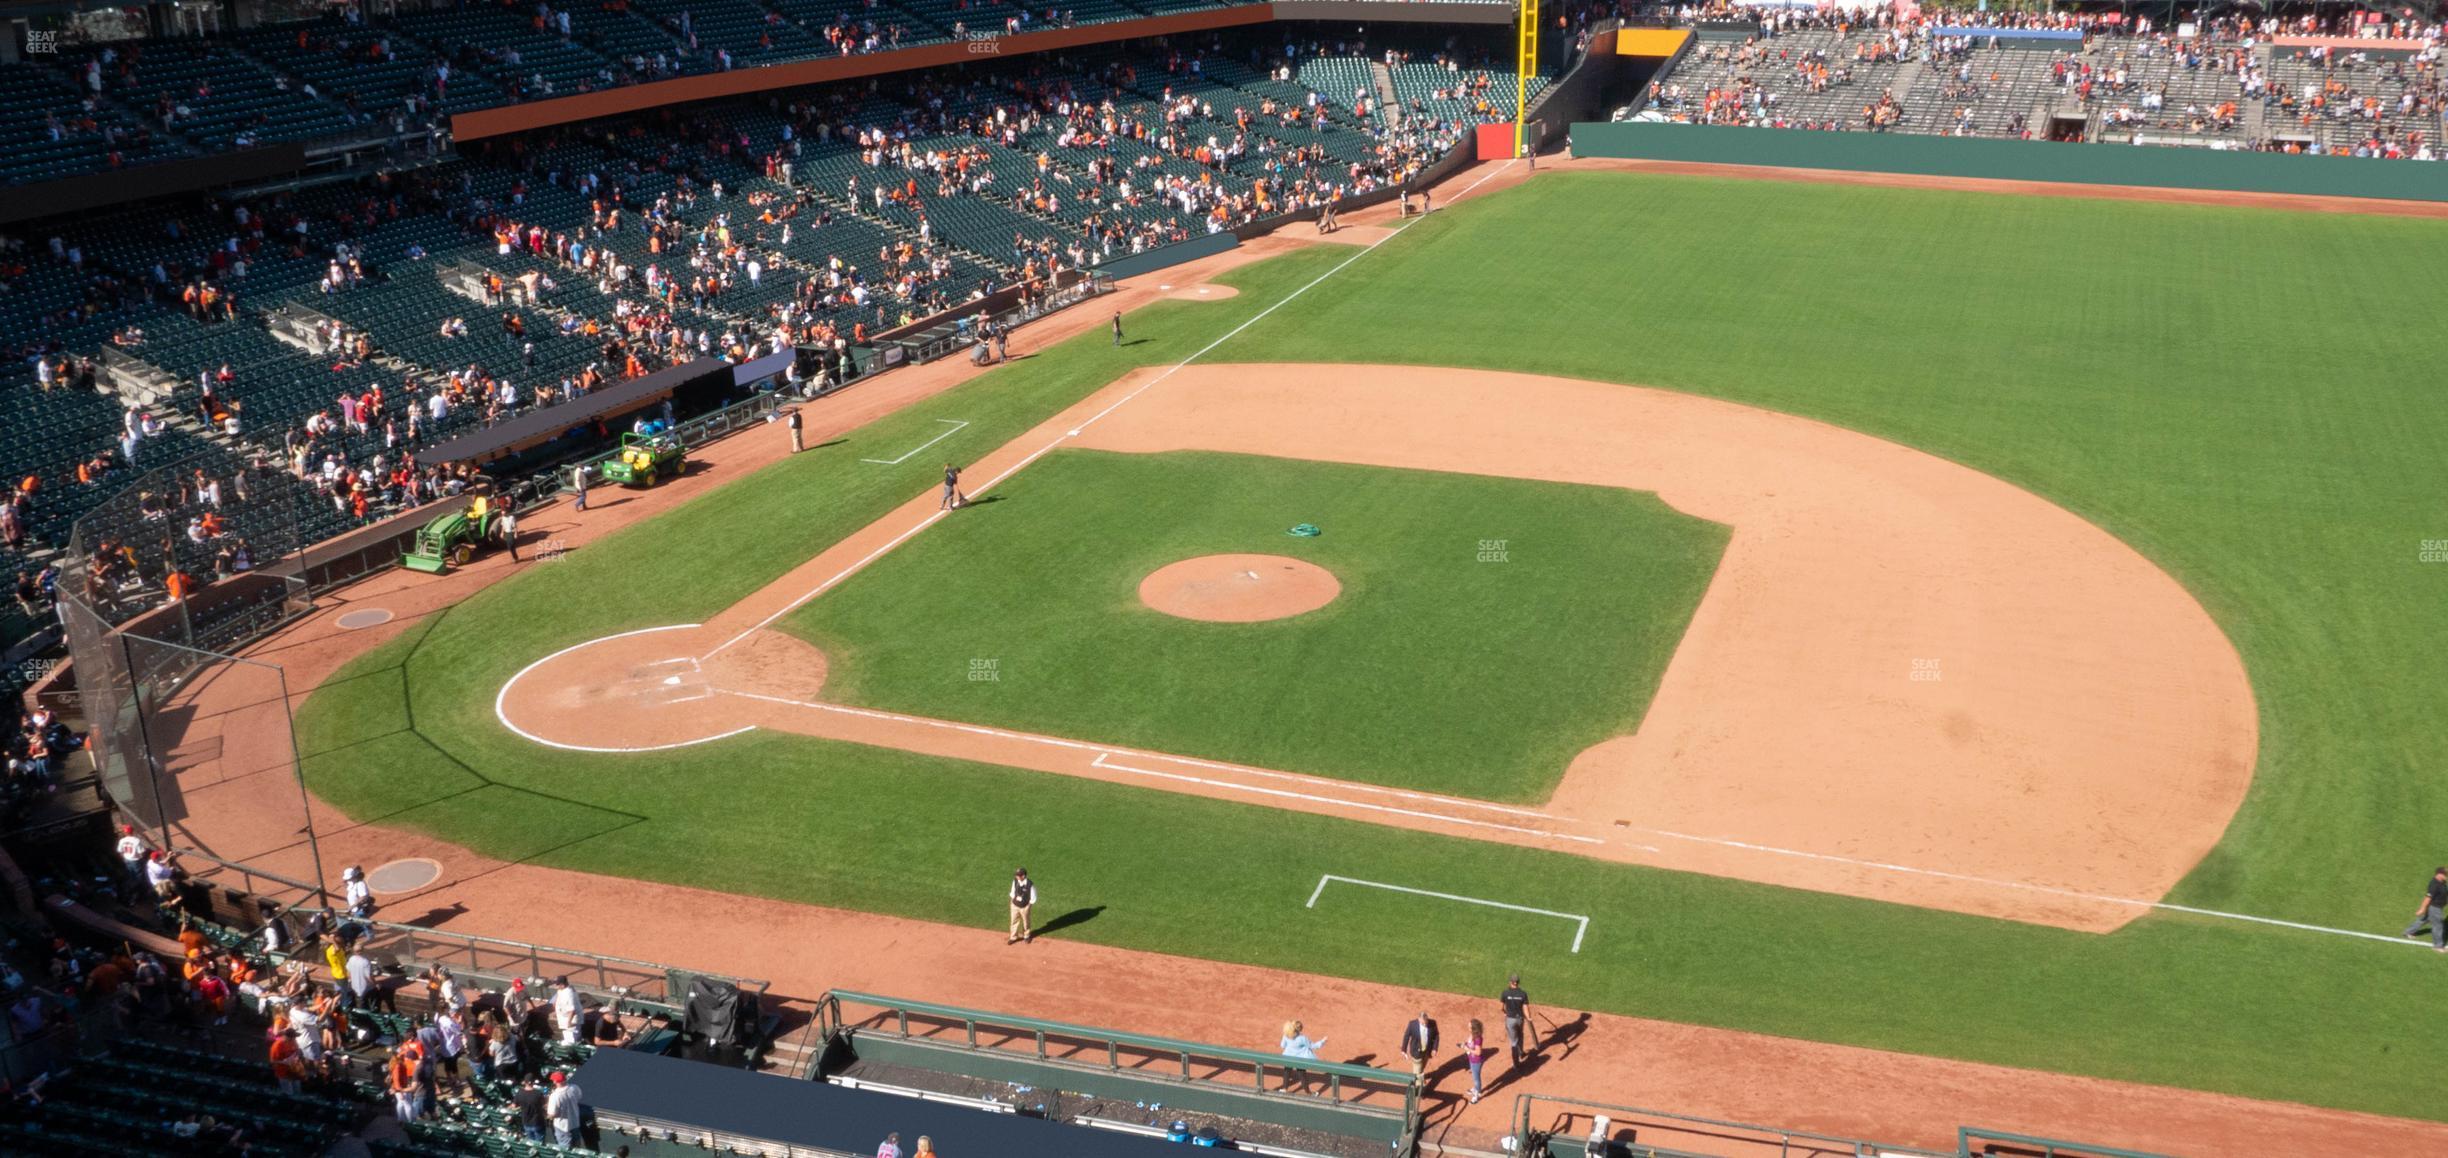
(192, 741)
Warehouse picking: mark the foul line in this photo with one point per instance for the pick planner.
(1104, 750)
(2051, 890)
(1578, 933)
(1074, 432)
(1285, 793)
(905, 455)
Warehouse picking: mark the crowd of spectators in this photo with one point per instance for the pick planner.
(2142, 79)
(728, 231)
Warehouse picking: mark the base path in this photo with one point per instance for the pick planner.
(1909, 681)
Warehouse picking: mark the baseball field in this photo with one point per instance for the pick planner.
(1982, 626)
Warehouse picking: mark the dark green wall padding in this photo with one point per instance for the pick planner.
(2149, 166)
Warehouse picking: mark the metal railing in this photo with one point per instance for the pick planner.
(636, 981)
(2025, 1144)
(966, 334)
(646, 982)
(1060, 1044)
(1556, 1127)
(286, 892)
(708, 427)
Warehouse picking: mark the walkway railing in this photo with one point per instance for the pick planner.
(639, 981)
(1366, 1089)
(1552, 1127)
(1973, 1142)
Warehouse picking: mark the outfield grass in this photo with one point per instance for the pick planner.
(2245, 396)
(1433, 669)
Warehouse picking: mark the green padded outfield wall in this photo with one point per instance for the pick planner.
(2088, 164)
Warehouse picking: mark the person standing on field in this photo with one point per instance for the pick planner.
(952, 497)
(1299, 1045)
(1117, 327)
(1516, 1013)
(796, 444)
(1474, 1052)
(1419, 1043)
(1023, 898)
(2433, 912)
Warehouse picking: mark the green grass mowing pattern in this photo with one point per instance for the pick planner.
(2242, 395)
(1432, 669)
(2245, 396)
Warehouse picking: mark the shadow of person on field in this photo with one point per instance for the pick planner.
(1565, 1037)
(433, 918)
(979, 502)
(1068, 920)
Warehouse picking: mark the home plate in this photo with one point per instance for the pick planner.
(671, 681)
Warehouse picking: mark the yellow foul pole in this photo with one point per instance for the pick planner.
(1525, 65)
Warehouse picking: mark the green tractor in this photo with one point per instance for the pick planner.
(453, 538)
(646, 459)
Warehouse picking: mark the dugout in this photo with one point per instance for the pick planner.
(1108, 1082)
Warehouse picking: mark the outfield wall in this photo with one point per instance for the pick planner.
(2086, 164)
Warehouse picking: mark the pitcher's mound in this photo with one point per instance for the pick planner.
(1239, 588)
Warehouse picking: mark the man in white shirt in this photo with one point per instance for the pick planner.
(565, 1010)
(132, 853)
(562, 1109)
(158, 871)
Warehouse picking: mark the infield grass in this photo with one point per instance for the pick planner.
(2248, 397)
(1434, 668)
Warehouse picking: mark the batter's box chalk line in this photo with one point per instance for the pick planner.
(1580, 923)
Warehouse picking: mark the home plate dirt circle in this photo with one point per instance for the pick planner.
(1239, 588)
(402, 876)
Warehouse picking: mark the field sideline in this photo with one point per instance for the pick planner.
(2118, 372)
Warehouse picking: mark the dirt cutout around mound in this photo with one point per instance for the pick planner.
(1908, 681)
(1239, 588)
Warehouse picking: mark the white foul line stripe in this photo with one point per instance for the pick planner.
(1041, 452)
(1102, 762)
(2052, 890)
(905, 455)
(1578, 919)
(1111, 750)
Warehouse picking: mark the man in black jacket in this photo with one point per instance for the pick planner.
(1419, 1043)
